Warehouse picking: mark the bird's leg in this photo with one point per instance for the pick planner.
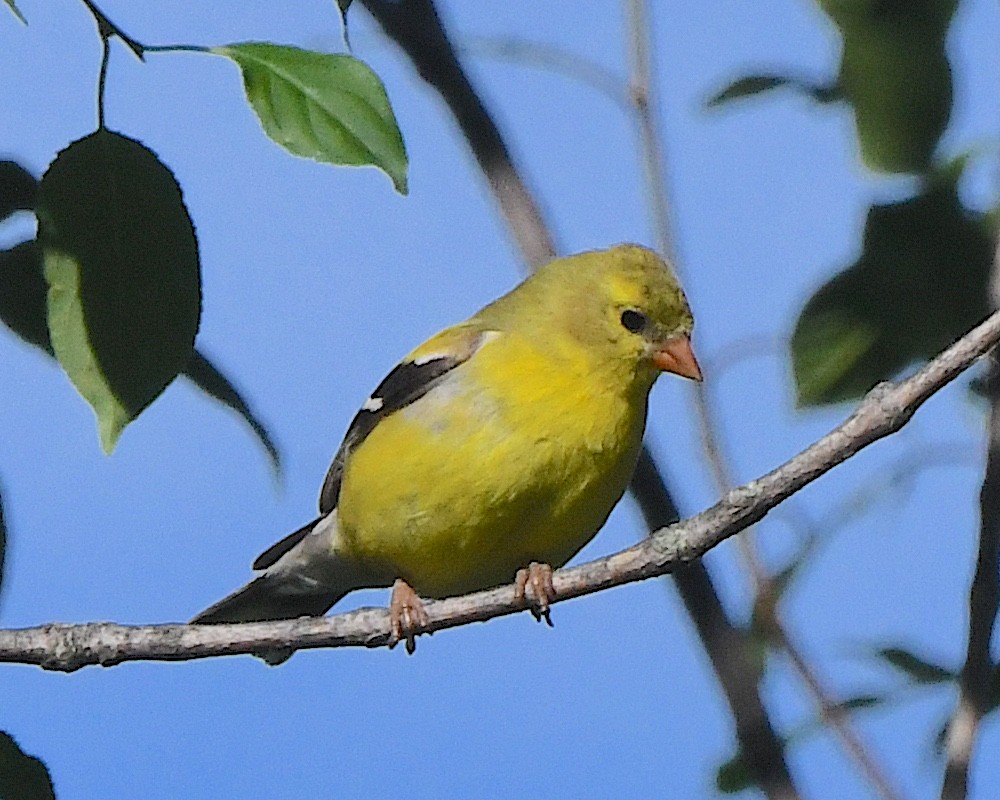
(533, 584)
(407, 616)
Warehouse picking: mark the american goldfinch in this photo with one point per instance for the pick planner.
(493, 452)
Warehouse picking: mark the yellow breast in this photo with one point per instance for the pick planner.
(514, 458)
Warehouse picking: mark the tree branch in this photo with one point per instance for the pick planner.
(884, 410)
(984, 598)
(760, 746)
(416, 28)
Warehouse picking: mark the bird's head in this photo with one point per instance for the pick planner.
(624, 302)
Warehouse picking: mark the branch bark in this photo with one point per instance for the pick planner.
(885, 410)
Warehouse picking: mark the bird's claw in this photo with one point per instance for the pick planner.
(407, 616)
(533, 585)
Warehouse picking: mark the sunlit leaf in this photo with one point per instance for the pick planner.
(121, 264)
(22, 776)
(917, 669)
(328, 107)
(204, 374)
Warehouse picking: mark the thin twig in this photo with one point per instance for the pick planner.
(415, 26)
(884, 410)
(656, 177)
(547, 57)
(106, 28)
(727, 645)
(764, 755)
(984, 599)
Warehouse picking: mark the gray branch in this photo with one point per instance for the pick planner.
(883, 411)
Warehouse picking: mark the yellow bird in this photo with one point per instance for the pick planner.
(493, 452)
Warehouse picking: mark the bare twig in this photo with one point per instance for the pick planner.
(727, 645)
(415, 26)
(884, 410)
(553, 59)
(984, 598)
(645, 112)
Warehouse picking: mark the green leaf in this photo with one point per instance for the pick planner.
(330, 108)
(22, 776)
(18, 189)
(917, 669)
(23, 294)
(121, 263)
(207, 377)
(920, 283)
(16, 11)
(23, 310)
(733, 776)
(751, 85)
(894, 72)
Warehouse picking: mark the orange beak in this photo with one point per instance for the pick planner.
(676, 356)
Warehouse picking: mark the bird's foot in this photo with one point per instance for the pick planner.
(533, 585)
(407, 616)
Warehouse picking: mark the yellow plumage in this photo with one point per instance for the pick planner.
(502, 441)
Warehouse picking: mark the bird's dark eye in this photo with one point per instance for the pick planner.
(633, 321)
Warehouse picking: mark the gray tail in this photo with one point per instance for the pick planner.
(303, 576)
(267, 598)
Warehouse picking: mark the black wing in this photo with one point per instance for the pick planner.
(406, 383)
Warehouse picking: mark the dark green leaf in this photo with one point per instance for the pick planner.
(207, 377)
(894, 72)
(920, 283)
(860, 702)
(917, 669)
(16, 11)
(121, 263)
(18, 189)
(750, 85)
(23, 310)
(330, 108)
(734, 776)
(22, 777)
(23, 294)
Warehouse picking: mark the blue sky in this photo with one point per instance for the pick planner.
(316, 280)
